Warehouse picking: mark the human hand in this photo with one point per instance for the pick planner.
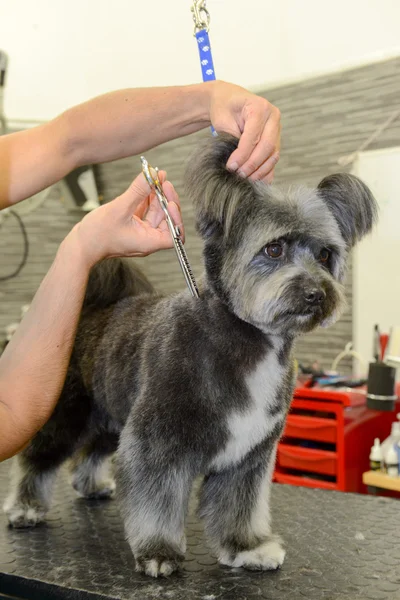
(255, 121)
(131, 225)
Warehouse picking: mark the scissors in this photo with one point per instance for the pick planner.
(152, 179)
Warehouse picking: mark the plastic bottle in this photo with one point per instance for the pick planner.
(376, 456)
(397, 447)
(393, 438)
(392, 462)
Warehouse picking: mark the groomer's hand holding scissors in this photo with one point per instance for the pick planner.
(131, 225)
(38, 354)
(255, 121)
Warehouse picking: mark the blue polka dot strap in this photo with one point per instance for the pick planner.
(201, 18)
(206, 60)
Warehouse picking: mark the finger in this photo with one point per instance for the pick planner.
(171, 193)
(279, 140)
(270, 177)
(137, 197)
(155, 213)
(278, 145)
(176, 216)
(258, 142)
(153, 240)
(138, 191)
(143, 207)
(265, 149)
(247, 142)
(162, 176)
(153, 199)
(174, 206)
(162, 242)
(254, 115)
(265, 169)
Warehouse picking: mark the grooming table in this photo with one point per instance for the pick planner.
(339, 547)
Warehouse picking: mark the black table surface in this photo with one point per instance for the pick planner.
(339, 547)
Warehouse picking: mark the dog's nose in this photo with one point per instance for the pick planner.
(314, 296)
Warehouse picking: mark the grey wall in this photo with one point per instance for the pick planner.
(322, 119)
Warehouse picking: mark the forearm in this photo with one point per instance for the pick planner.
(34, 364)
(33, 159)
(112, 126)
(128, 122)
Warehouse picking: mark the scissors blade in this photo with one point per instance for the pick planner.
(151, 176)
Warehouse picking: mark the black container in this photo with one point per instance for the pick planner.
(381, 387)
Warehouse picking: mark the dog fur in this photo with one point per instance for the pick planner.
(180, 387)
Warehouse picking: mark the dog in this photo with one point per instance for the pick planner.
(181, 387)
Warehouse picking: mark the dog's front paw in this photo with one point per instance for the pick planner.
(22, 516)
(158, 566)
(266, 557)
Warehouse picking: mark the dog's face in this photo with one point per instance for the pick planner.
(277, 259)
(284, 262)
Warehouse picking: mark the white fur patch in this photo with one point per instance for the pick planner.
(20, 516)
(93, 479)
(154, 568)
(260, 522)
(247, 429)
(267, 557)
(18, 510)
(16, 475)
(166, 568)
(14, 513)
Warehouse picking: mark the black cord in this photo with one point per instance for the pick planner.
(26, 248)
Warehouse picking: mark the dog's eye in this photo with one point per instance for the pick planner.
(274, 250)
(324, 255)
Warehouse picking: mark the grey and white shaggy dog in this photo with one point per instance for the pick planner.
(181, 387)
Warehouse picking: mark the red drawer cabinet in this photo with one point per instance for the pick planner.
(311, 428)
(307, 459)
(327, 439)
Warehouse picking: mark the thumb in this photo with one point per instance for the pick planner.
(139, 187)
(138, 191)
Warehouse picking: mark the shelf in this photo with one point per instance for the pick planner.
(381, 480)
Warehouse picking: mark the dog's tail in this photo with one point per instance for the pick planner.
(114, 279)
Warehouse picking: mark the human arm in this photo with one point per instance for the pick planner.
(129, 122)
(34, 363)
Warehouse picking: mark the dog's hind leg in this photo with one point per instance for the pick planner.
(30, 493)
(235, 507)
(91, 467)
(153, 489)
(34, 469)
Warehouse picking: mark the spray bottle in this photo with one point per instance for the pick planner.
(393, 438)
(392, 462)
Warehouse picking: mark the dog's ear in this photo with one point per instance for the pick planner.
(215, 191)
(351, 203)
